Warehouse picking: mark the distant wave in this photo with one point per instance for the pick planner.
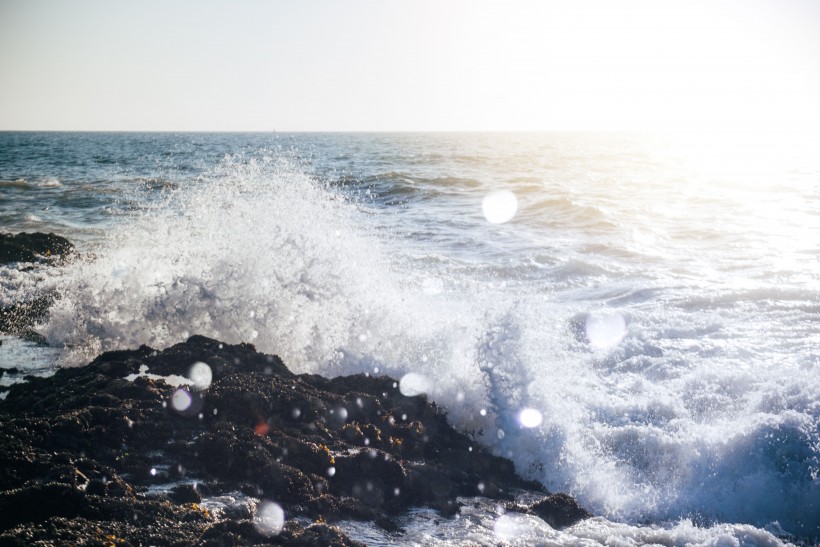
(24, 184)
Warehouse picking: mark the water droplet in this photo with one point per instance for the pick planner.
(483, 411)
(181, 400)
(375, 370)
(499, 207)
(396, 491)
(605, 329)
(201, 375)
(331, 471)
(270, 518)
(412, 384)
(481, 487)
(501, 434)
(153, 472)
(529, 417)
(296, 413)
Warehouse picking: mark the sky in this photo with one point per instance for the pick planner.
(434, 65)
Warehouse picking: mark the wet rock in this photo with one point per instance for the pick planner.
(79, 451)
(559, 510)
(185, 493)
(19, 318)
(34, 247)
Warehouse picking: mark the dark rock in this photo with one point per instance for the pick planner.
(185, 493)
(79, 450)
(34, 247)
(559, 511)
(34, 337)
(19, 318)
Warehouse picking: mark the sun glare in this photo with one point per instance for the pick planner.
(475, 65)
(636, 65)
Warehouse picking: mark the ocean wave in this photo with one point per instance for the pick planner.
(660, 418)
(25, 184)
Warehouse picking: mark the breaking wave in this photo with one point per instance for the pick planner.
(653, 408)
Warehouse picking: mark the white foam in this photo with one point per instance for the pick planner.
(173, 380)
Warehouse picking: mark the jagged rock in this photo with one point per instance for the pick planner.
(19, 318)
(34, 247)
(185, 493)
(79, 450)
(557, 510)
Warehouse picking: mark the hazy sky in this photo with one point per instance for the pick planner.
(411, 65)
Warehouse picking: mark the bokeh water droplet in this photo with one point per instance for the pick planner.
(529, 417)
(201, 375)
(499, 207)
(181, 400)
(270, 518)
(605, 329)
(412, 384)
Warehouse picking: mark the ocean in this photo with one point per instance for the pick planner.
(632, 319)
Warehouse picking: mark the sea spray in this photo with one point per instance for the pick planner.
(699, 402)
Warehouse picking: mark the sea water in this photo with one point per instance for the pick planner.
(633, 320)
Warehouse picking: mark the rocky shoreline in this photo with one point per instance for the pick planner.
(84, 453)
(211, 444)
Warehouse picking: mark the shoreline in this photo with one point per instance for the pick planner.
(85, 453)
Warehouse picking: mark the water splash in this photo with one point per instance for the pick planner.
(658, 419)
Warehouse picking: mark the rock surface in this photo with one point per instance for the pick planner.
(27, 251)
(34, 247)
(90, 457)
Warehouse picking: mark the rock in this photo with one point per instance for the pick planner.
(559, 511)
(79, 450)
(34, 247)
(185, 493)
(19, 318)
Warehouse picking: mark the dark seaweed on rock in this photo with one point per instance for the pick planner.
(34, 247)
(79, 449)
